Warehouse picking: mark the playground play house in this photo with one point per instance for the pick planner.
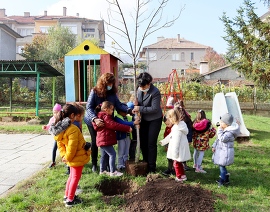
(82, 67)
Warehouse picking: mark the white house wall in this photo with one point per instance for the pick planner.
(7, 46)
(163, 65)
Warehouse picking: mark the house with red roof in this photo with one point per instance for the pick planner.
(172, 53)
(28, 26)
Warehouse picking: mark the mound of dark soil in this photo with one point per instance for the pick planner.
(167, 195)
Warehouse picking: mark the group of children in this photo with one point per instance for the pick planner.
(180, 132)
(66, 126)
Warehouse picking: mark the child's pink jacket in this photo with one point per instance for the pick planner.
(52, 120)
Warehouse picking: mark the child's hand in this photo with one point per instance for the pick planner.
(213, 149)
(160, 142)
(130, 129)
(44, 127)
(64, 160)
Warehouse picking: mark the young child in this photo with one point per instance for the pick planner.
(79, 117)
(187, 119)
(178, 149)
(123, 138)
(70, 142)
(167, 131)
(223, 147)
(77, 121)
(106, 137)
(202, 132)
(57, 107)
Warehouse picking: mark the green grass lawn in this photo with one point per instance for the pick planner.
(248, 191)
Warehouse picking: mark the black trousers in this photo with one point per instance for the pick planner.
(94, 148)
(149, 131)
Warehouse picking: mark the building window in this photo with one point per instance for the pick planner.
(20, 49)
(152, 56)
(182, 72)
(192, 56)
(182, 56)
(89, 30)
(88, 35)
(44, 29)
(175, 56)
(25, 31)
(73, 28)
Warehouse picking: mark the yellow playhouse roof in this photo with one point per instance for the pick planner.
(86, 47)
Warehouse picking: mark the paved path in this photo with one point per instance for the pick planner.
(21, 155)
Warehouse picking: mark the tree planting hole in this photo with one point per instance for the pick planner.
(111, 187)
(86, 47)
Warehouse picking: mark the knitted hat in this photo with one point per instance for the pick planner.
(227, 118)
(130, 105)
(57, 107)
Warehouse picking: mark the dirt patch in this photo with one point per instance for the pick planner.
(15, 123)
(163, 194)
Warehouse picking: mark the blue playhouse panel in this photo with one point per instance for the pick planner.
(69, 73)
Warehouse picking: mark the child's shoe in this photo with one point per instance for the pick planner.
(182, 179)
(52, 165)
(104, 173)
(116, 174)
(199, 169)
(65, 198)
(227, 179)
(220, 182)
(75, 201)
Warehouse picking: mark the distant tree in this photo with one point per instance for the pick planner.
(266, 2)
(248, 39)
(214, 59)
(148, 18)
(36, 49)
(51, 48)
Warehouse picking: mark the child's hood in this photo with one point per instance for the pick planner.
(61, 126)
(181, 126)
(202, 125)
(234, 129)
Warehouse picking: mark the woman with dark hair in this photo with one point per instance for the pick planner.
(148, 104)
(105, 90)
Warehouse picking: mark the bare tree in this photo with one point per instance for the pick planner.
(146, 20)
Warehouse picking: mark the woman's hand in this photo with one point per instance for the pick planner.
(99, 122)
(136, 109)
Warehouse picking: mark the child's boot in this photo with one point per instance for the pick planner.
(220, 182)
(227, 179)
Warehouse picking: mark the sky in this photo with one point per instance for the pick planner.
(199, 20)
